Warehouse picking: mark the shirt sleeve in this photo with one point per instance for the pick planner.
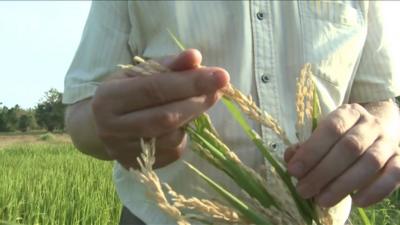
(378, 77)
(104, 45)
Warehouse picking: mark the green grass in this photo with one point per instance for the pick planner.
(55, 184)
(386, 212)
(47, 137)
(19, 133)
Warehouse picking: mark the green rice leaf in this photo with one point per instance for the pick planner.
(237, 114)
(364, 216)
(242, 178)
(203, 122)
(305, 207)
(316, 113)
(176, 40)
(245, 210)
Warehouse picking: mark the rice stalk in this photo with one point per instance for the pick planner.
(277, 217)
(245, 177)
(149, 178)
(252, 215)
(219, 154)
(308, 113)
(364, 216)
(208, 145)
(211, 209)
(144, 69)
(305, 207)
(250, 108)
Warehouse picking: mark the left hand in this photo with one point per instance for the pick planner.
(350, 152)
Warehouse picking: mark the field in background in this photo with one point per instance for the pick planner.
(35, 137)
(386, 212)
(45, 180)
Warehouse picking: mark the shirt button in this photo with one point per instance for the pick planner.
(265, 78)
(274, 146)
(260, 15)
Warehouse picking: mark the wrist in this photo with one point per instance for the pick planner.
(82, 129)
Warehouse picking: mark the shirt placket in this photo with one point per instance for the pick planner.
(265, 66)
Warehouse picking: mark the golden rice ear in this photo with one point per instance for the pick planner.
(211, 209)
(149, 178)
(250, 108)
(304, 102)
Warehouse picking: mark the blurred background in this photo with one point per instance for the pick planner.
(43, 178)
(38, 41)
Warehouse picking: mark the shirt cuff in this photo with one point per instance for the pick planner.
(77, 93)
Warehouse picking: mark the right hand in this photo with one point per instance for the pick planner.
(128, 107)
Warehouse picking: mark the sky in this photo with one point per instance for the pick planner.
(38, 40)
(37, 43)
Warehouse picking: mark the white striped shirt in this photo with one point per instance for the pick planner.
(263, 45)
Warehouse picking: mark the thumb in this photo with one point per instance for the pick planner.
(186, 60)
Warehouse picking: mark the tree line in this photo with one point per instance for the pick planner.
(48, 115)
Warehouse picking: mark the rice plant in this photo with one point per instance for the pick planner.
(274, 204)
(52, 184)
(278, 204)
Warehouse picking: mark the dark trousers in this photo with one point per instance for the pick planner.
(127, 218)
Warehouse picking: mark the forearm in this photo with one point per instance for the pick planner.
(81, 127)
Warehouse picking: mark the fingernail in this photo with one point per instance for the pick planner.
(296, 169)
(325, 200)
(305, 190)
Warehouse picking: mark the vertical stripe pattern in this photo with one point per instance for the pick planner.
(262, 44)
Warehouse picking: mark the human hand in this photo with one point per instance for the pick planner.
(351, 151)
(128, 107)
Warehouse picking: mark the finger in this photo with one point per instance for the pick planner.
(170, 148)
(157, 121)
(290, 152)
(186, 60)
(382, 187)
(124, 151)
(329, 131)
(357, 176)
(343, 154)
(143, 92)
(172, 140)
(120, 74)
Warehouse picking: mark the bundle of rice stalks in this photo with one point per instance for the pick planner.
(277, 204)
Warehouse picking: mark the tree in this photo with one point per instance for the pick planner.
(3, 122)
(49, 113)
(11, 116)
(3, 118)
(25, 122)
